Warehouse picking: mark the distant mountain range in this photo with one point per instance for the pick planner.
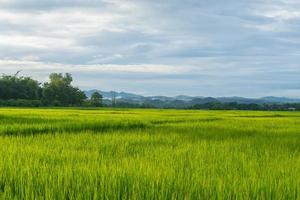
(183, 100)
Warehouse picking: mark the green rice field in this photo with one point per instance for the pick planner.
(148, 154)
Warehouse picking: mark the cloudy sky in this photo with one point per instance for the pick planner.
(170, 47)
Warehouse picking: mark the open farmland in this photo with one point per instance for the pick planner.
(148, 154)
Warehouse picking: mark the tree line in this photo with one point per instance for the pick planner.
(216, 106)
(58, 91)
(251, 106)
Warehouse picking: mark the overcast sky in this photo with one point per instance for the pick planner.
(157, 47)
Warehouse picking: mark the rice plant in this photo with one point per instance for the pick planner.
(148, 154)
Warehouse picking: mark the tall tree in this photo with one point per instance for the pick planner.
(59, 91)
(13, 87)
(96, 99)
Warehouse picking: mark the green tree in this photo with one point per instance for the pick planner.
(14, 87)
(59, 91)
(96, 99)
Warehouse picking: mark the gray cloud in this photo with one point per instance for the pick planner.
(219, 48)
(44, 5)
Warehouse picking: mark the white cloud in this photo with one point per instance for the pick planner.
(196, 46)
(36, 42)
(31, 65)
(283, 15)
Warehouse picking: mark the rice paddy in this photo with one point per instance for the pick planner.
(148, 154)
